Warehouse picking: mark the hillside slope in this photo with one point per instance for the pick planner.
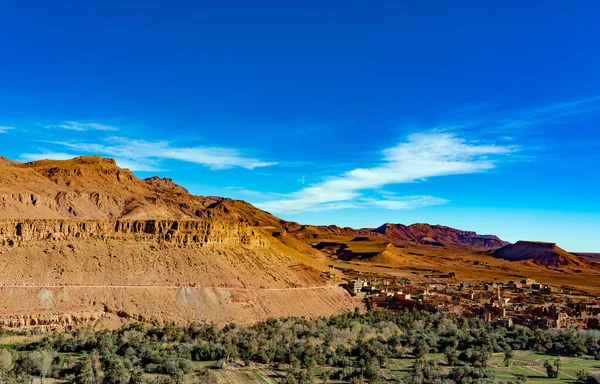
(84, 242)
(96, 188)
(65, 273)
(540, 253)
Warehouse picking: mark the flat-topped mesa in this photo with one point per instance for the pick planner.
(540, 253)
(77, 160)
(176, 232)
(537, 244)
(428, 234)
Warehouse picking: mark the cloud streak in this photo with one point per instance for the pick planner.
(420, 157)
(531, 118)
(141, 155)
(5, 129)
(79, 126)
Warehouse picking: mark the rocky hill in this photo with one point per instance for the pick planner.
(59, 273)
(96, 188)
(84, 242)
(437, 235)
(539, 253)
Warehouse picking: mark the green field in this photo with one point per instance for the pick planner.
(527, 363)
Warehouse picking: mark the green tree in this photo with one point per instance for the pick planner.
(116, 372)
(421, 349)
(84, 373)
(423, 371)
(6, 361)
(451, 356)
(550, 371)
(41, 361)
(509, 354)
(472, 375)
(582, 376)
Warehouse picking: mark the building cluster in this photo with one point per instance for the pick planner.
(526, 302)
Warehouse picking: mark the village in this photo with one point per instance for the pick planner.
(516, 302)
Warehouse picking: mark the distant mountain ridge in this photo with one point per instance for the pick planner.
(438, 235)
(95, 188)
(540, 253)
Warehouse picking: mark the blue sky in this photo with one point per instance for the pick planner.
(477, 115)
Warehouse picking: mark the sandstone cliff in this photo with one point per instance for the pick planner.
(15, 232)
(57, 274)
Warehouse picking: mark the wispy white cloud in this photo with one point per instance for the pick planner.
(81, 126)
(406, 202)
(420, 157)
(141, 155)
(528, 119)
(5, 129)
(569, 107)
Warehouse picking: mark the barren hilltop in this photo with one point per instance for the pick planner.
(96, 188)
(540, 253)
(83, 241)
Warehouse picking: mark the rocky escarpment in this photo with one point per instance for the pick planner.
(62, 274)
(50, 321)
(174, 232)
(438, 235)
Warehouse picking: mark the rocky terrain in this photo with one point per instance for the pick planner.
(592, 257)
(83, 241)
(57, 273)
(437, 235)
(540, 253)
(96, 188)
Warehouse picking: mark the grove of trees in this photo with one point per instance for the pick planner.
(354, 347)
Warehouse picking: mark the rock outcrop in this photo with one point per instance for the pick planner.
(14, 232)
(50, 321)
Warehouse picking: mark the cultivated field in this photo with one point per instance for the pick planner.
(527, 363)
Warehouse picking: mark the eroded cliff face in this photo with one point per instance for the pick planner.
(63, 274)
(51, 321)
(174, 232)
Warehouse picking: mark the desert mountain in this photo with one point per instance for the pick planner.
(591, 257)
(84, 242)
(400, 235)
(438, 235)
(539, 253)
(5, 161)
(96, 188)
